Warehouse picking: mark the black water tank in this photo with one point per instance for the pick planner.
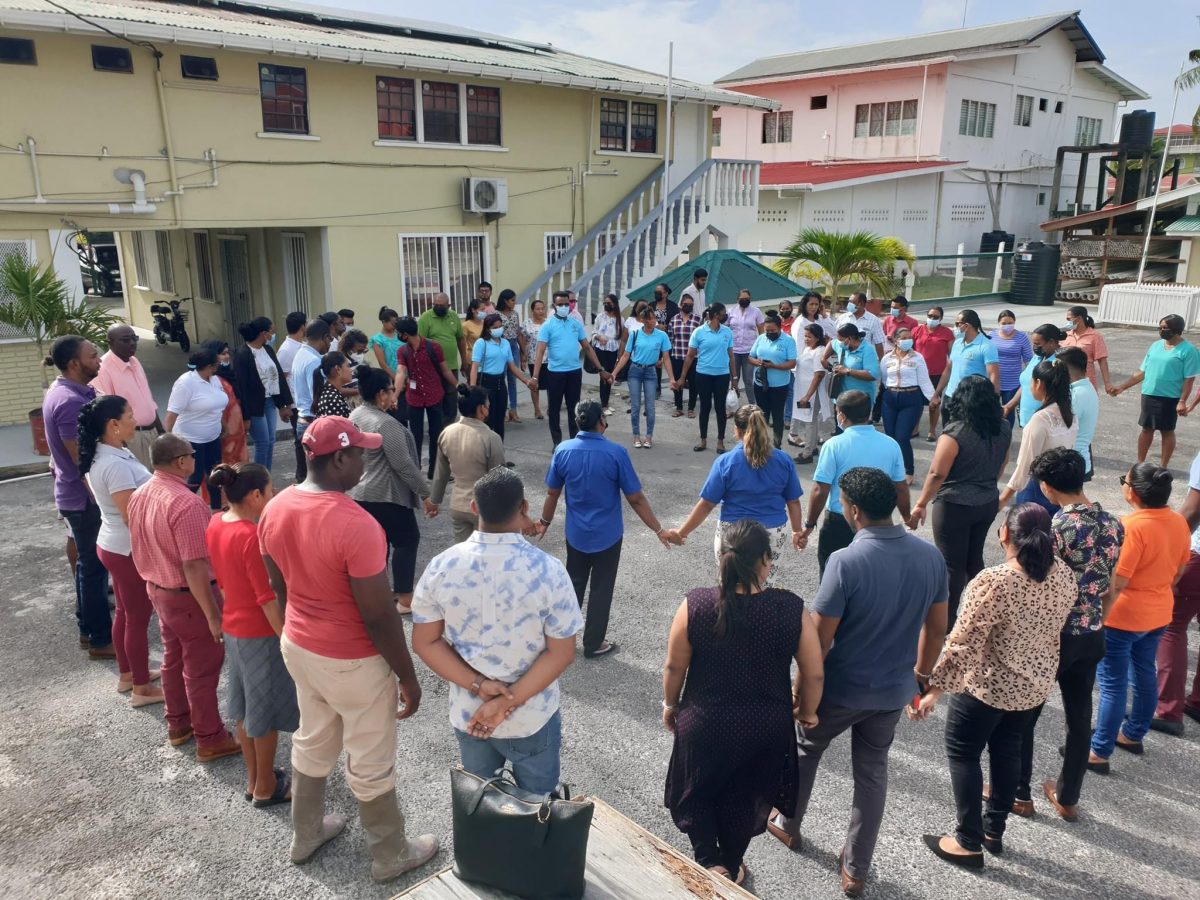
(1035, 274)
(1137, 130)
(989, 242)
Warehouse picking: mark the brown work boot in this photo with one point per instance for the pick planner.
(179, 736)
(228, 747)
(311, 828)
(105, 652)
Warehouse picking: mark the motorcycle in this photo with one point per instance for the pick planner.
(170, 323)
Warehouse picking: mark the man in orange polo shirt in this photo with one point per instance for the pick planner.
(122, 375)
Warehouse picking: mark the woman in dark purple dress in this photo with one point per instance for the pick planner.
(735, 741)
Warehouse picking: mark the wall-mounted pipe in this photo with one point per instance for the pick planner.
(37, 178)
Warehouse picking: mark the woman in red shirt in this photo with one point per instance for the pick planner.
(933, 341)
(262, 696)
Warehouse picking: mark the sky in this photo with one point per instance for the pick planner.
(714, 37)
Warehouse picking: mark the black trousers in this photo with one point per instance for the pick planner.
(835, 534)
(712, 390)
(676, 369)
(1077, 661)
(497, 388)
(208, 455)
(301, 458)
(449, 406)
(972, 725)
(608, 362)
(961, 532)
(601, 569)
(416, 424)
(772, 401)
(399, 524)
(561, 386)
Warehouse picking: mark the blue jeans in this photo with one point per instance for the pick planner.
(534, 759)
(91, 578)
(790, 404)
(512, 379)
(901, 413)
(1128, 656)
(262, 432)
(1005, 396)
(642, 383)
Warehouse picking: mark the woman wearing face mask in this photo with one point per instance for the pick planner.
(972, 353)
(423, 377)
(854, 364)
(1081, 332)
(773, 355)
(472, 325)
(710, 349)
(531, 327)
(813, 405)
(262, 389)
(645, 349)
(194, 412)
(1052, 425)
(491, 359)
(787, 319)
(1045, 341)
(608, 336)
(233, 420)
(906, 388)
(333, 374)
(747, 323)
(354, 344)
(509, 318)
(933, 341)
(1166, 375)
(679, 330)
(1015, 351)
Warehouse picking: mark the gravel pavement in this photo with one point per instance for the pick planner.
(95, 803)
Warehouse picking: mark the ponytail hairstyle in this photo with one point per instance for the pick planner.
(744, 544)
(714, 311)
(1029, 532)
(387, 314)
(1081, 312)
(1056, 381)
(203, 358)
(1050, 332)
(252, 329)
(758, 442)
(470, 399)
(321, 373)
(239, 480)
(372, 382)
(817, 332)
(972, 318)
(1151, 484)
(93, 423)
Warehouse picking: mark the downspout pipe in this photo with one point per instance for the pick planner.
(175, 193)
(37, 176)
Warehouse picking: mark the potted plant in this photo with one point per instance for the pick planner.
(37, 303)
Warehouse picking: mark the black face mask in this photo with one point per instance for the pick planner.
(785, 314)
(659, 298)
(440, 310)
(687, 308)
(721, 319)
(772, 337)
(743, 302)
(1166, 334)
(609, 308)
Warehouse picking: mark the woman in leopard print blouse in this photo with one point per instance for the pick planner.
(998, 665)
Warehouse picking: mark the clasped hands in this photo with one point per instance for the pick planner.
(498, 704)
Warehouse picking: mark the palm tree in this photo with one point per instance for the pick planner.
(1188, 80)
(836, 258)
(37, 303)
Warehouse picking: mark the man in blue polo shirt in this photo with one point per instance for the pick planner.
(317, 337)
(859, 444)
(595, 472)
(558, 344)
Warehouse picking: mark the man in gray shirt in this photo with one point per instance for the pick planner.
(881, 615)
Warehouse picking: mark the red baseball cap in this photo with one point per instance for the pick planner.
(329, 434)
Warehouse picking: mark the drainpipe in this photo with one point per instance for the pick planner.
(921, 110)
(37, 177)
(160, 90)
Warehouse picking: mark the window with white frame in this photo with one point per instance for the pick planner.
(895, 118)
(1023, 111)
(441, 263)
(777, 127)
(1087, 131)
(977, 119)
(202, 252)
(628, 126)
(152, 259)
(556, 244)
(449, 112)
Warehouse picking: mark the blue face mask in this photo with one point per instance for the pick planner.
(896, 313)
(932, 323)
(905, 344)
(562, 311)
(480, 315)
(1070, 326)
(852, 308)
(498, 332)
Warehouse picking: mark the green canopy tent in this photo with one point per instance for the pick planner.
(729, 271)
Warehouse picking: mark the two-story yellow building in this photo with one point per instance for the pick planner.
(265, 157)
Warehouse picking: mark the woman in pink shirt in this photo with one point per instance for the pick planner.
(933, 341)
(1081, 332)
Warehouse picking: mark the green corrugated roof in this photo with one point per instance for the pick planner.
(1184, 225)
(729, 271)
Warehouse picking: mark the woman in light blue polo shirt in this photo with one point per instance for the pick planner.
(645, 350)
(854, 364)
(774, 357)
(491, 359)
(710, 349)
(970, 354)
(1045, 340)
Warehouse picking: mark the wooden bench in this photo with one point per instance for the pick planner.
(624, 862)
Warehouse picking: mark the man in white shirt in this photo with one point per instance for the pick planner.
(867, 322)
(496, 617)
(695, 290)
(295, 324)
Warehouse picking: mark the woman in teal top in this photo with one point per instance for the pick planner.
(710, 350)
(970, 354)
(774, 356)
(854, 363)
(645, 350)
(491, 358)
(386, 343)
(1045, 340)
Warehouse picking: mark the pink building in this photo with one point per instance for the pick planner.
(933, 139)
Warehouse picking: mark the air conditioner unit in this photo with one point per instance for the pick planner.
(487, 196)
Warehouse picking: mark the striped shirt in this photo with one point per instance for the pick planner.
(167, 527)
(680, 330)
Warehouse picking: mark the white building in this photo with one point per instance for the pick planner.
(934, 139)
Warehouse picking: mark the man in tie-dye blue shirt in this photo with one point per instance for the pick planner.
(496, 618)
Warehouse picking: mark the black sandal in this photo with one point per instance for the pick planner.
(283, 787)
(699, 448)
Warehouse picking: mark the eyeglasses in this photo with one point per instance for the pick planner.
(182, 456)
(1124, 481)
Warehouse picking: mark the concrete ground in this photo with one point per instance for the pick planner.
(96, 804)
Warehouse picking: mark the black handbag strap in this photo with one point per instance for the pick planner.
(477, 797)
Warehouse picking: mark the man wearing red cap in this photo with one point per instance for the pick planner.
(343, 643)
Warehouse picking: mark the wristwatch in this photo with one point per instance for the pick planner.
(809, 526)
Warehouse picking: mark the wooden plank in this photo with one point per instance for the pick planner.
(625, 862)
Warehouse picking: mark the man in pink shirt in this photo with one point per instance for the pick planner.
(122, 375)
(898, 318)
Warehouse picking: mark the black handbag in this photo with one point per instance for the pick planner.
(531, 845)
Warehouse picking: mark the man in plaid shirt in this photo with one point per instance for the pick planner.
(679, 329)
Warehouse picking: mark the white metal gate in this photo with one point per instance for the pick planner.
(449, 263)
(295, 272)
(235, 279)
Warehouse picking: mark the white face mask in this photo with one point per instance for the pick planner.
(357, 358)
(852, 308)
(562, 311)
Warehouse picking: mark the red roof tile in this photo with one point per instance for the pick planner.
(824, 173)
(1176, 131)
